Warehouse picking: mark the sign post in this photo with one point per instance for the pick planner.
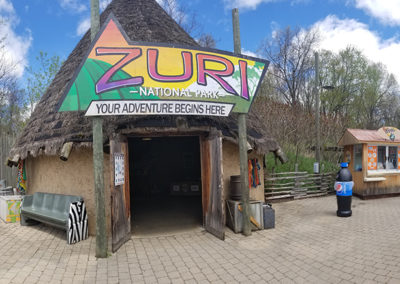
(98, 156)
(244, 171)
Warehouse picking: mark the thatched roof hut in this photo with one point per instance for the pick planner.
(47, 130)
(202, 164)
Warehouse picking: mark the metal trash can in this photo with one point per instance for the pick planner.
(268, 216)
(234, 215)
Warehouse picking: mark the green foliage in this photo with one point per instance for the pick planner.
(40, 78)
(12, 109)
(305, 164)
(364, 93)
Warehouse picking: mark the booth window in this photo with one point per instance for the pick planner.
(386, 158)
(392, 158)
(381, 157)
(358, 157)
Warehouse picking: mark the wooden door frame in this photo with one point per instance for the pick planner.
(119, 142)
(205, 171)
(212, 184)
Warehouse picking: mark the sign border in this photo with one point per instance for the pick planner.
(163, 101)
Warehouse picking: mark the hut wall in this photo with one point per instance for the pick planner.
(231, 166)
(73, 177)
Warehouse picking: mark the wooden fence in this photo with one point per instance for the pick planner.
(6, 173)
(294, 185)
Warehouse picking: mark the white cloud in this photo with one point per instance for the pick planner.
(249, 53)
(387, 11)
(83, 26)
(104, 4)
(16, 46)
(74, 6)
(337, 34)
(246, 4)
(6, 7)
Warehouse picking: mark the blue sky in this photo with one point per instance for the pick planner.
(56, 26)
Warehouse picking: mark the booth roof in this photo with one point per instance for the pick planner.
(143, 20)
(359, 136)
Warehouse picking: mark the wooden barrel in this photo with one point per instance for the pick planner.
(236, 192)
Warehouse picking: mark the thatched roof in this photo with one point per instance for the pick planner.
(143, 20)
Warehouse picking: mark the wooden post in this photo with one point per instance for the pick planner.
(94, 19)
(244, 172)
(317, 119)
(98, 157)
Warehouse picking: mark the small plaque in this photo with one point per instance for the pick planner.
(119, 169)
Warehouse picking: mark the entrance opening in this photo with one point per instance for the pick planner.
(165, 181)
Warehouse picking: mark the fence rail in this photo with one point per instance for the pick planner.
(294, 185)
(6, 173)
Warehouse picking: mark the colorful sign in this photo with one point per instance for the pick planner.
(120, 77)
(390, 132)
(372, 157)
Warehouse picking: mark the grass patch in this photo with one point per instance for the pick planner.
(305, 164)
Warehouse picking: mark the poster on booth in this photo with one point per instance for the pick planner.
(372, 157)
(120, 77)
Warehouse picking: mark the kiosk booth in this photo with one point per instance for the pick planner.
(374, 160)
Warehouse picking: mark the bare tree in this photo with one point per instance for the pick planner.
(207, 40)
(187, 20)
(7, 67)
(291, 55)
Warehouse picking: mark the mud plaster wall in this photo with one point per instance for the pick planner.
(73, 177)
(231, 166)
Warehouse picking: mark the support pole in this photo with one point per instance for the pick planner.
(98, 160)
(98, 157)
(317, 117)
(94, 18)
(244, 172)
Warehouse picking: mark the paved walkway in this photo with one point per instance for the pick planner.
(309, 245)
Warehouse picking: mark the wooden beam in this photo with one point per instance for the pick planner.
(94, 18)
(98, 160)
(98, 156)
(242, 138)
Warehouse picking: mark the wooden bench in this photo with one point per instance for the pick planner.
(65, 212)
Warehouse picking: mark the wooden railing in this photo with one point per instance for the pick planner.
(294, 185)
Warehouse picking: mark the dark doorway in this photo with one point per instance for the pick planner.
(165, 181)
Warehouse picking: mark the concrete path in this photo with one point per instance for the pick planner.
(309, 245)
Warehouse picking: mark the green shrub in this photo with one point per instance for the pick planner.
(305, 163)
